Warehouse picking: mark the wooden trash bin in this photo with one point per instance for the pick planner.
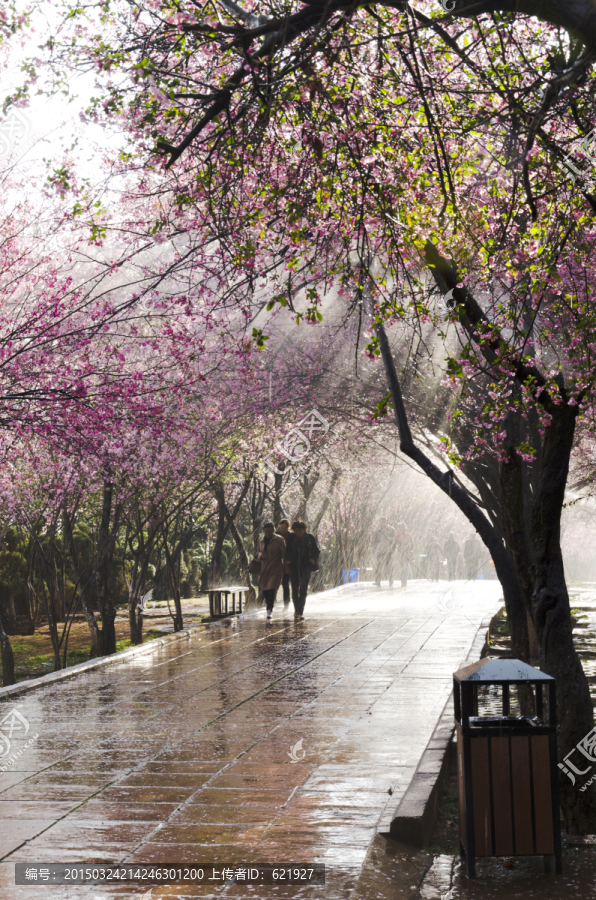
(507, 766)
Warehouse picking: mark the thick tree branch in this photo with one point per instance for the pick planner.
(577, 16)
(485, 335)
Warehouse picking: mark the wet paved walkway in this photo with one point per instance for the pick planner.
(187, 754)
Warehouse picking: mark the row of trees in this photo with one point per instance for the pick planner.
(361, 162)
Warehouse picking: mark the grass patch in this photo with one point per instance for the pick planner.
(34, 656)
(148, 635)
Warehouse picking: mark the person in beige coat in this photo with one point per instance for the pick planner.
(271, 550)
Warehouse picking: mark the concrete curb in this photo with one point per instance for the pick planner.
(413, 821)
(53, 677)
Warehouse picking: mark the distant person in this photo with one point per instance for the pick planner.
(283, 529)
(405, 547)
(450, 551)
(472, 551)
(271, 549)
(434, 560)
(304, 557)
(460, 566)
(383, 546)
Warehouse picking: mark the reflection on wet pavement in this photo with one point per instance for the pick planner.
(248, 741)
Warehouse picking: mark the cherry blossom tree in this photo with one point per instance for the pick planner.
(392, 155)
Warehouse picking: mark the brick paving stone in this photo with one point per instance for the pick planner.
(245, 742)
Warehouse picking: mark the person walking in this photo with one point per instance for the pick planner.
(434, 560)
(283, 529)
(271, 550)
(472, 556)
(304, 558)
(450, 551)
(460, 566)
(405, 547)
(384, 551)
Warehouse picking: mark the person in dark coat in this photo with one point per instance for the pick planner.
(451, 552)
(305, 555)
(283, 529)
(272, 553)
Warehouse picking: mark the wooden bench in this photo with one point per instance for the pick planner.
(219, 600)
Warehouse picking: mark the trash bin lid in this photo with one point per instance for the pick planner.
(508, 721)
(500, 671)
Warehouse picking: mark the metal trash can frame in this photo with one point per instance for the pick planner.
(507, 767)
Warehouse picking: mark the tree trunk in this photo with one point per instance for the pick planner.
(94, 629)
(215, 572)
(52, 626)
(8, 676)
(278, 512)
(551, 613)
(550, 610)
(325, 504)
(173, 570)
(258, 496)
(104, 572)
(56, 595)
(251, 595)
(308, 485)
(512, 593)
(139, 577)
(135, 616)
(32, 598)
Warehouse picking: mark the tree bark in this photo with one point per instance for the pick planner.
(8, 674)
(173, 569)
(94, 629)
(278, 512)
(104, 573)
(325, 504)
(215, 572)
(512, 593)
(139, 576)
(251, 595)
(536, 539)
(551, 613)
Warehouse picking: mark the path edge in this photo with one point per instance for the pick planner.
(413, 820)
(22, 687)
